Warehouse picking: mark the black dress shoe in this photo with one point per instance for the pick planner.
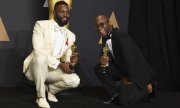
(152, 95)
(113, 99)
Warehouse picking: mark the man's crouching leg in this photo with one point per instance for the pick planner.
(68, 81)
(38, 72)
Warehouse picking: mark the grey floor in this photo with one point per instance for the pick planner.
(85, 97)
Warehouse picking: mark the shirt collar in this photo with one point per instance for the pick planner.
(56, 25)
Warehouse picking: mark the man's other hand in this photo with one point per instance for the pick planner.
(65, 67)
(104, 60)
(74, 58)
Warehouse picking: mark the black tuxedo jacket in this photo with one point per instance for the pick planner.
(130, 60)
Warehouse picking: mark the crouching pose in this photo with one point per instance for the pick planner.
(122, 61)
(51, 42)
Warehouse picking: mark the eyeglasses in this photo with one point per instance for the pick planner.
(101, 25)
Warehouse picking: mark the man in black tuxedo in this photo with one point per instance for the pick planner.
(124, 63)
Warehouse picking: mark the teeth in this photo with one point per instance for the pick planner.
(64, 18)
(101, 30)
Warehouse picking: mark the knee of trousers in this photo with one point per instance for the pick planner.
(40, 59)
(73, 82)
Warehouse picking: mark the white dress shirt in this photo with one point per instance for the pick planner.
(109, 43)
(59, 40)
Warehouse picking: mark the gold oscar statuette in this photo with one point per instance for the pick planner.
(74, 53)
(105, 53)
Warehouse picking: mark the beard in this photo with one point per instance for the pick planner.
(62, 20)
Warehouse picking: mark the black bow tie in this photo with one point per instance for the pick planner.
(105, 38)
(108, 37)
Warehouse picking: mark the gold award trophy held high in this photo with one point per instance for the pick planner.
(74, 53)
(105, 53)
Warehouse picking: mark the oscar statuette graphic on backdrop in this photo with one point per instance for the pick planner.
(3, 33)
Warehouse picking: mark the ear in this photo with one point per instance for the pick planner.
(110, 24)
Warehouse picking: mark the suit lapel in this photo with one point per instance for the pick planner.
(114, 46)
(51, 35)
(112, 40)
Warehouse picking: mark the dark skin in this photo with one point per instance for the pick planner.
(104, 26)
(61, 16)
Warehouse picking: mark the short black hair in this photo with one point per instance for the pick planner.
(60, 3)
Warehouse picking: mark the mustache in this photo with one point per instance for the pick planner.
(60, 18)
(65, 17)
